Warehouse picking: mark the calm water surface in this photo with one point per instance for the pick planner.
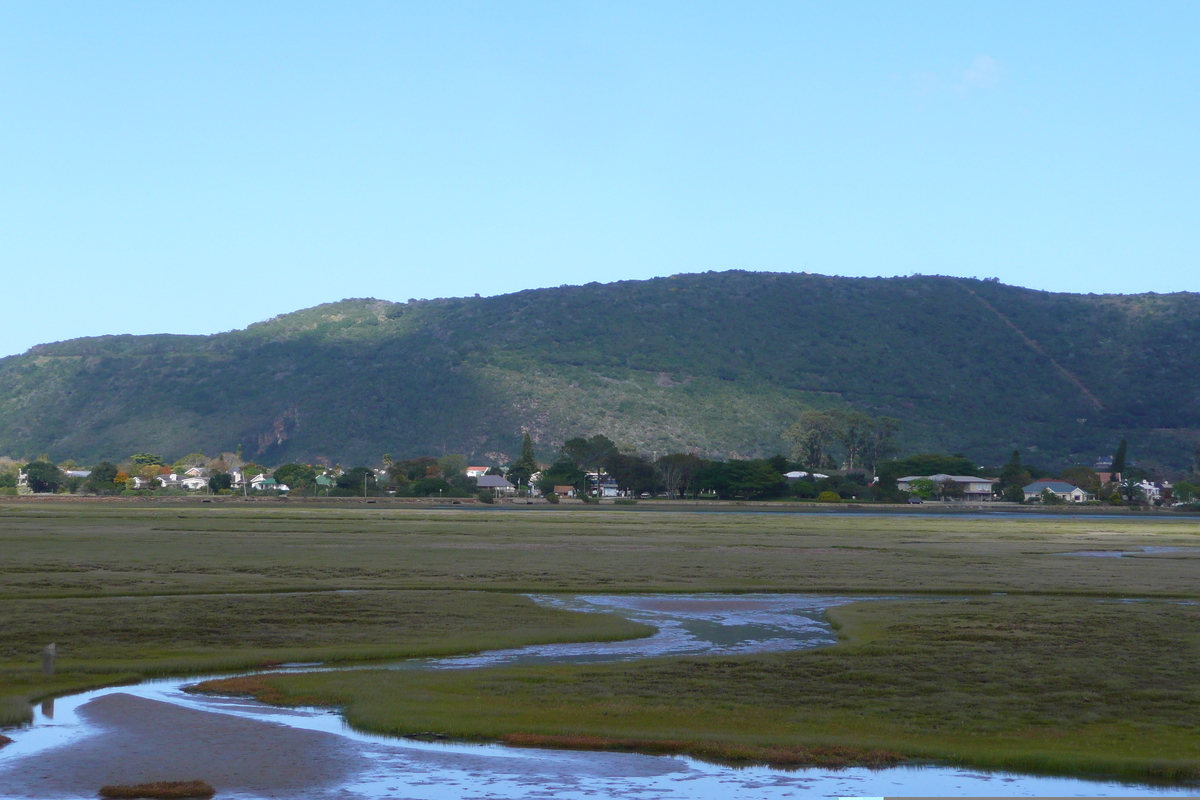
(687, 625)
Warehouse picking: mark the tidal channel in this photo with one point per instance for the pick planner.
(156, 731)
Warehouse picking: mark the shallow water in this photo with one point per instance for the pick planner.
(701, 624)
(1141, 551)
(687, 625)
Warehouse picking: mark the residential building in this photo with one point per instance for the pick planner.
(1063, 490)
(476, 472)
(496, 483)
(975, 489)
(1154, 490)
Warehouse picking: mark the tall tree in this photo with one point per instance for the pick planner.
(811, 436)
(454, 467)
(1014, 477)
(1118, 465)
(219, 481)
(42, 476)
(678, 471)
(589, 454)
(360, 481)
(881, 443)
(632, 473)
(297, 477)
(852, 430)
(525, 465)
(103, 478)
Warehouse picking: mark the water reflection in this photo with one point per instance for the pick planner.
(704, 624)
(405, 768)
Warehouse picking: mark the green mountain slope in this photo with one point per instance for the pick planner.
(718, 363)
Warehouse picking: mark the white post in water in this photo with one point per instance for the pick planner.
(48, 660)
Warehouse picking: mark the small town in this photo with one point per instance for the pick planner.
(594, 469)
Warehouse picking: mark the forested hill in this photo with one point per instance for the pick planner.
(716, 363)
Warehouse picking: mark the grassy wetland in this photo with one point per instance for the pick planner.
(1060, 674)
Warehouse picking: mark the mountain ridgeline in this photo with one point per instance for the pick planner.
(718, 364)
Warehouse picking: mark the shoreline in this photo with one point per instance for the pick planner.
(931, 509)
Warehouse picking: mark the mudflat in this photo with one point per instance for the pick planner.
(141, 740)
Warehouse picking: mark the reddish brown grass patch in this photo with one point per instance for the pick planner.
(4, 740)
(795, 756)
(256, 686)
(165, 789)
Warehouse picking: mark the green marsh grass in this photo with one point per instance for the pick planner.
(117, 639)
(134, 590)
(60, 550)
(1061, 685)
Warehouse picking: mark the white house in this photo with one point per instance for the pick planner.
(1063, 490)
(1153, 490)
(476, 472)
(798, 475)
(974, 488)
(261, 482)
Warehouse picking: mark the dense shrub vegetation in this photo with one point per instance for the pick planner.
(719, 364)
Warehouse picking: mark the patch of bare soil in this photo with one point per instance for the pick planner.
(160, 790)
(142, 741)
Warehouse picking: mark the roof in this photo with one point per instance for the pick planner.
(941, 476)
(493, 482)
(1059, 487)
(563, 489)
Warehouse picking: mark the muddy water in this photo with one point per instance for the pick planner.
(155, 731)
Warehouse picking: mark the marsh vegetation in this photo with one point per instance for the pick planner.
(1061, 674)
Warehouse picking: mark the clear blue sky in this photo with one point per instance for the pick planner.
(195, 167)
